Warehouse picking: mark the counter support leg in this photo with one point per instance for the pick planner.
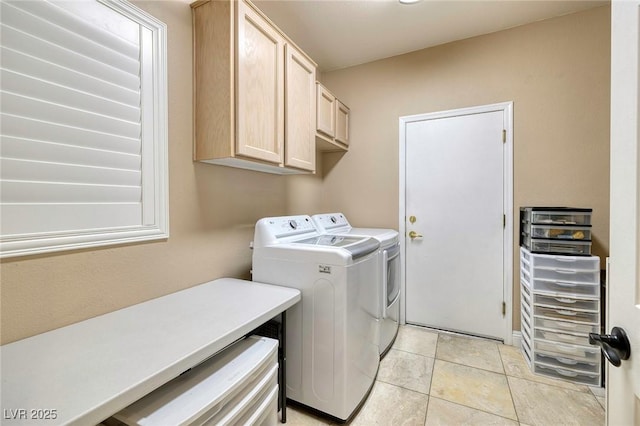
(283, 363)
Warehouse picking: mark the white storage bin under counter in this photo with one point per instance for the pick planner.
(236, 386)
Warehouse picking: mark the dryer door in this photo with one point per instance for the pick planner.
(391, 277)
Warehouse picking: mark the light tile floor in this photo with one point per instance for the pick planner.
(430, 378)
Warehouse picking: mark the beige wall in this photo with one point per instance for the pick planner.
(557, 74)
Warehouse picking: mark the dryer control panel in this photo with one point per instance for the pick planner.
(331, 222)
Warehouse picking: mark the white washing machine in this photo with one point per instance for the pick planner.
(332, 352)
(388, 312)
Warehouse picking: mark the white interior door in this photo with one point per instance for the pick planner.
(623, 302)
(455, 189)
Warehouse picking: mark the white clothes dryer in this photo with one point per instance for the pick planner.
(332, 353)
(388, 312)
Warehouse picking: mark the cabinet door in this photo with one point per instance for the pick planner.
(325, 114)
(259, 88)
(342, 123)
(300, 110)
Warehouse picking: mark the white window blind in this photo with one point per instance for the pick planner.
(83, 139)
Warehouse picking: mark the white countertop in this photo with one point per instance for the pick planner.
(89, 370)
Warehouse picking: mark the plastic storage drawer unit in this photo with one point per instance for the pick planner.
(559, 230)
(560, 306)
(557, 215)
(582, 248)
(236, 386)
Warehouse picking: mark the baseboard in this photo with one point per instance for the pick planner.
(516, 340)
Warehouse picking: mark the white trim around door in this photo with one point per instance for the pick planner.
(507, 109)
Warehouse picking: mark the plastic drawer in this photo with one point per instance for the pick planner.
(525, 265)
(591, 263)
(562, 362)
(267, 413)
(566, 314)
(592, 379)
(526, 299)
(571, 327)
(559, 301)
(525, 275)
(251, 411)
(567, 287)
(566, 274)
(526, 330)
(579, 353)
(573, 339)
(526, 310)
(221, 385)
(526, 356)
(239, 407)
(526, 351)
(561, 232)
(560, 246)
(526, 322)
(558, 217)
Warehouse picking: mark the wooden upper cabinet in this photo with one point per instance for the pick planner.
(342, 123)
(251, 86)
(332, 121)
(326, 118)
(300, 110)
(260, 88)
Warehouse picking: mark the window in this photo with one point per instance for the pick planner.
(83, 116)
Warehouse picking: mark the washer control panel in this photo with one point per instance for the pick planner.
(290, 225)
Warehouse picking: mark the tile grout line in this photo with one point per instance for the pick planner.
(481, 369)
(506, 378)
(475, 409)
(433, 369)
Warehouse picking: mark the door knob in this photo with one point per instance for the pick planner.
(615, 346)
(414, 234)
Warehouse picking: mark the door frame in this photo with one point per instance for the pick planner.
(507, 109)
(623, 265)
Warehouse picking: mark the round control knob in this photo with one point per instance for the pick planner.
(333, 219)
(293, 224)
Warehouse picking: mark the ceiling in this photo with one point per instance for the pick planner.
(341, 33)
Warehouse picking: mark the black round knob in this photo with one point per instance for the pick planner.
(615, 346)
